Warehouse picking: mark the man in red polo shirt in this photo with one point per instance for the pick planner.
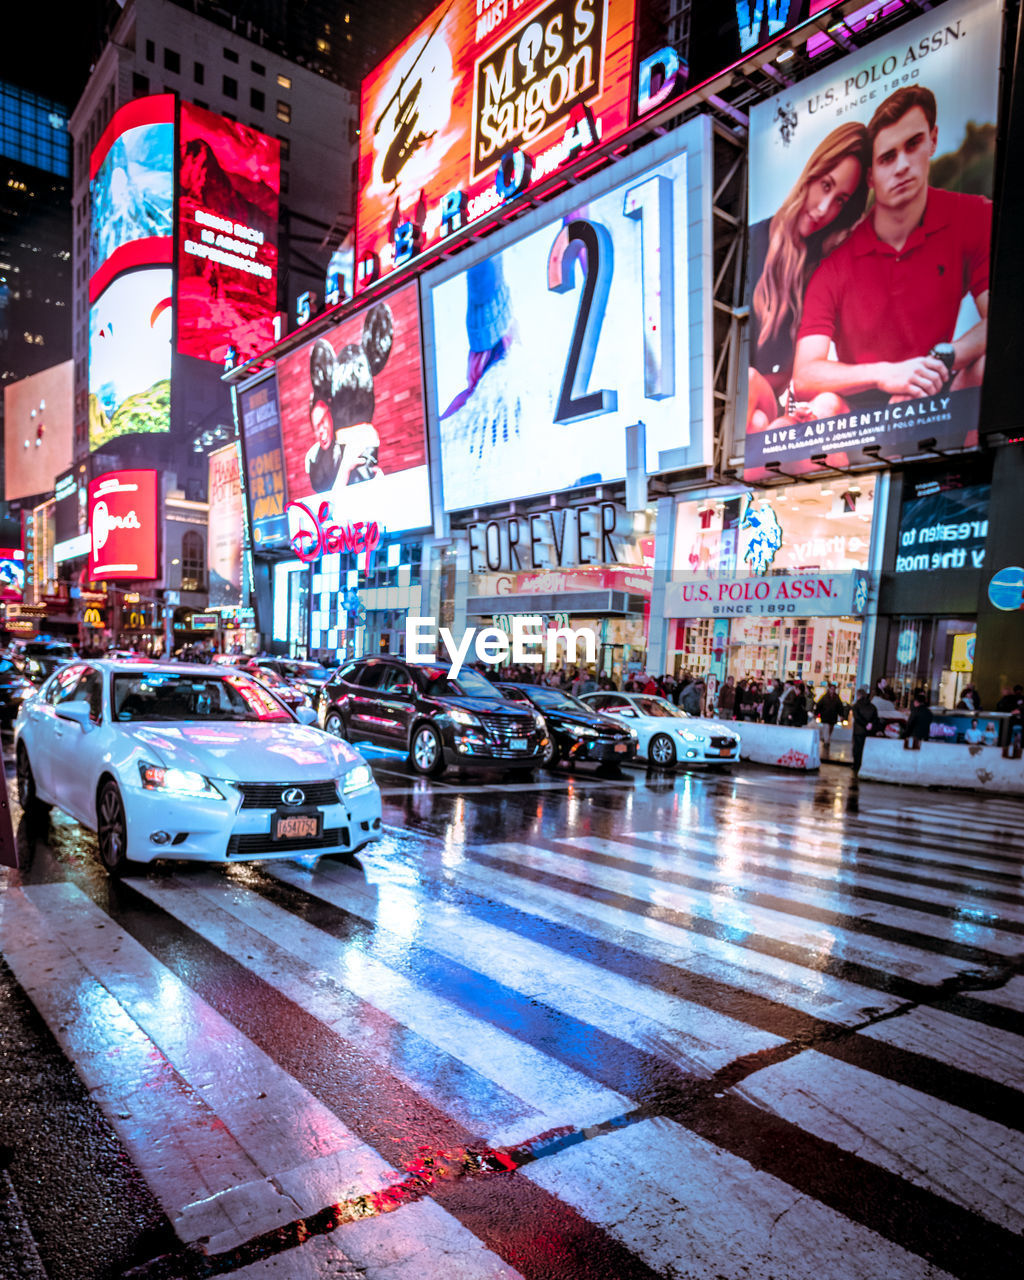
(889, 296)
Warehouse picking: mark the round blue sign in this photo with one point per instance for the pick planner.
(1006, 589)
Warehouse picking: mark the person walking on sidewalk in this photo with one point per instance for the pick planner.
(830, 711)
(865, 721)
(919, 722)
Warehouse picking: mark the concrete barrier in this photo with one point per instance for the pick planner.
(778, 744)
(942, 764)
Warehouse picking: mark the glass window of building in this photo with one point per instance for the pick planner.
(230, 87)
(284, 81)
(193, 563)
(199, 73)
(172, 61)
(257, 100)
(284, 112)
(230, 55)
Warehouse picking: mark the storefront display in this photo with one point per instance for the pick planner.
(772, 585)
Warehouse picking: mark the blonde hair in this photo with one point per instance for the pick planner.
(779, 292)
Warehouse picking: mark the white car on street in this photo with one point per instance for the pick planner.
(186, 761)
(667, 736)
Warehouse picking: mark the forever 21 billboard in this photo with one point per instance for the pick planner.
(592, 317)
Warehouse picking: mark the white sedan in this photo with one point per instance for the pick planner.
(667, 736)
(189, 762)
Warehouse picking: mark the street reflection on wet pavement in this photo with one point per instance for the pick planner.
(598, 1024)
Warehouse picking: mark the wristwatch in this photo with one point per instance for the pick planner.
(944, 351)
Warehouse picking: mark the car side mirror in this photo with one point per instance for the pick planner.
(77, 712)
(305, 715)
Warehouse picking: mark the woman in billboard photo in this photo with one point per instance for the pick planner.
(342, 403)
(826, 202)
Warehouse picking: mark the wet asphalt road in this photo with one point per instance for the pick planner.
(743, 1024)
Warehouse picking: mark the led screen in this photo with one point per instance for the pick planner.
(12, 574)
(38, 430)
(352, 414)
(545, 352)
(132, 191)
(869, 244)
(229, 184)
(943, 524)
(123, 525)
(472, 82)
(264, 463)
(130, 356)
(225, 527)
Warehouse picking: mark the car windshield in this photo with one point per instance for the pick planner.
(169, 696)
(555, 700)
(468, 684)
(659, 707)
(307, 671)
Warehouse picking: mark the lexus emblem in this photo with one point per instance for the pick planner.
(294, 795)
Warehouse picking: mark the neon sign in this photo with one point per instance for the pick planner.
(328, 538)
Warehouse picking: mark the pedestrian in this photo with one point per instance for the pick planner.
(771, 703)
(969, 700)
(919, 722)
(864, 718)
(727, 699)
(830, 711)
(692, 698)
(798, 715)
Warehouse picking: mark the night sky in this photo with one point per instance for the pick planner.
(49, 48)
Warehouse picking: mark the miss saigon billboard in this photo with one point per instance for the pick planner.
(484, 95)
(868, 250)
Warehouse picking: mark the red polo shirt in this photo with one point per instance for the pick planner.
(877, 303)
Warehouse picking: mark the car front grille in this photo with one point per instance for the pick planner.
(251, 846)
(501, 728)
(720, 743)
(267, 795)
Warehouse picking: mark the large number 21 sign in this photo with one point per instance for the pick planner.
(590, 245)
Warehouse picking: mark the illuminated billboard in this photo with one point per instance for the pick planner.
(224, 540)
(38, 430)
(123, 527)
(869, 245)
(592, 319)
(132, 191)
(12, 573)
(229, 185)
(264, 463)
(130, 356)
(479, 99)
(353, 419)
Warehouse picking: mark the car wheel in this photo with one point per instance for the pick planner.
(334, 725)
(425, 753)
(112, 829)
(27, 797)
(551, 755)
(662, 751)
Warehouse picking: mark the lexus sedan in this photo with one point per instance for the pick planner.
(667, 736)
(193, 762)
(432, 718)
(575, 731)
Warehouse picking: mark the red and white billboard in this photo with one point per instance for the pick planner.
(352, 419)
(480, 95)
(123, 525)
(229, 185)
(225, 527)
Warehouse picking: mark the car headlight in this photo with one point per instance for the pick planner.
(179, 782)
(633, 733)
(540, 722)
(462, 717)
(357, 779)
(687, 736)
(581, 731)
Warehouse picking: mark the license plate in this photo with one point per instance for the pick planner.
(518, 744)
(621, 746)
(296, 826)
(725, 751)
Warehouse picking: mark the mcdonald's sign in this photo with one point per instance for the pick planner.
(93, 617)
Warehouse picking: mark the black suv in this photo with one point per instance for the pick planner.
(575, 731)
(437, 720)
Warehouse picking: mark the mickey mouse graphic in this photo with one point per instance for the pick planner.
(341, 405)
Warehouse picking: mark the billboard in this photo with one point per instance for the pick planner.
(264, 463)
(123, 524)
(591, 319)
(229, 185)
(869, 246)
(479, 98)
(130, 356)
(38, 430)
(353, 419)
(943, 521)
(131, 189)
(224, 540)
(12, 573)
